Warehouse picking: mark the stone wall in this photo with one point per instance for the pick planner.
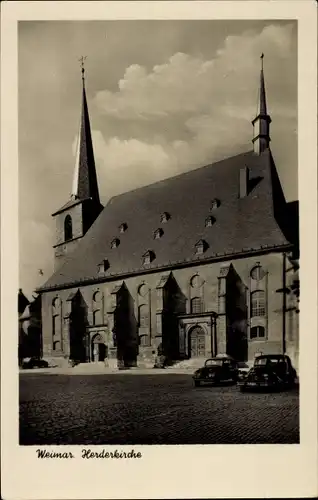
(77, 223)
(208, 290)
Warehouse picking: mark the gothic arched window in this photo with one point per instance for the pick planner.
(143, 315)
(258, 306)
(257, 332)
(68, 229)
(97, 317)
(196, 305)
(56, 345)
(143, 340)
(55, 324)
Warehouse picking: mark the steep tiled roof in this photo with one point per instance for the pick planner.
(69, 204)
(85, 180)
(85, 186)
(241, 224)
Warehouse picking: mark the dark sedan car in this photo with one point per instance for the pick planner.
(272, 372)
(216, 371)
(34, 363)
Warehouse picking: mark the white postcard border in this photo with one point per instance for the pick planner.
(163, 471)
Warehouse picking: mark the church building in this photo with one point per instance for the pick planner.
(195, 265)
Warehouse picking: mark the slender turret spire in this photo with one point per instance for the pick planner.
(262, 96)
(262, 120)
(85, 179)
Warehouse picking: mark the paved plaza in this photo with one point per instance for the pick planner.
(150, 409)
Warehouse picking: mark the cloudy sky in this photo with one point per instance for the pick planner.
(164, 97)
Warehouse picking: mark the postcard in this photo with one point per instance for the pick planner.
(159, 249)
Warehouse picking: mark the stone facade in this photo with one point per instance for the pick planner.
(213, 279)
(82, 215)
(134, 317)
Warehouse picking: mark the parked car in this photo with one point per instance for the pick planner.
(272, 371)
(216, 371)
(243, 369)
(34, 363)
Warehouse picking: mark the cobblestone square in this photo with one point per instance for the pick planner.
(150, 409)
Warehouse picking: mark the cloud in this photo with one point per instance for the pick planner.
(190, 111)
(188, 84)
(170, 111)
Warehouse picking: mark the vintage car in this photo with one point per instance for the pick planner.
(272, 372)
(218, 370)
(34, 363)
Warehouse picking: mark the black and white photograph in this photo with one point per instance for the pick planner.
(159, 256)
(158, 298)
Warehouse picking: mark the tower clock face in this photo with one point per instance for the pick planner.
(257, 273)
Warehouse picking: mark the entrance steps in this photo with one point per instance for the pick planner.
(96, 367)
(90, 366)
(143, 365)
(190, 365)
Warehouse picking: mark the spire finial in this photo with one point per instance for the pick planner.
(262, 60)
(82, 60)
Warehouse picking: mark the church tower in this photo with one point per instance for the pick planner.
(262, 120)
(75, 217)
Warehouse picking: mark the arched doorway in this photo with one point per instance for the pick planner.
(196, 342)
(98, 348)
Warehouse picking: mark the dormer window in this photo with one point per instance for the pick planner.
(201, 246)
(115, 243)
(148, 257)
(215, 203)
(103, 266)
(165, 217)
(209, 221)
(123, 227)
(158, 233)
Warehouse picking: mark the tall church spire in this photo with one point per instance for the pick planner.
(262, 120)
(85, 179)
(75, 218)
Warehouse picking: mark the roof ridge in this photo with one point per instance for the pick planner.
(246, 153)
(241, 224)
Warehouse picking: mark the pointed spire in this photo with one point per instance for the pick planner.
(262, 93)
(85, 179)
(262, 121)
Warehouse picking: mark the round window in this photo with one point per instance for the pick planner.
(142, 290)
(97, 296)
(257, 273)
(55, 302)
(196, 281)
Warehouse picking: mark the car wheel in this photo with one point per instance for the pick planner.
(197, 383)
